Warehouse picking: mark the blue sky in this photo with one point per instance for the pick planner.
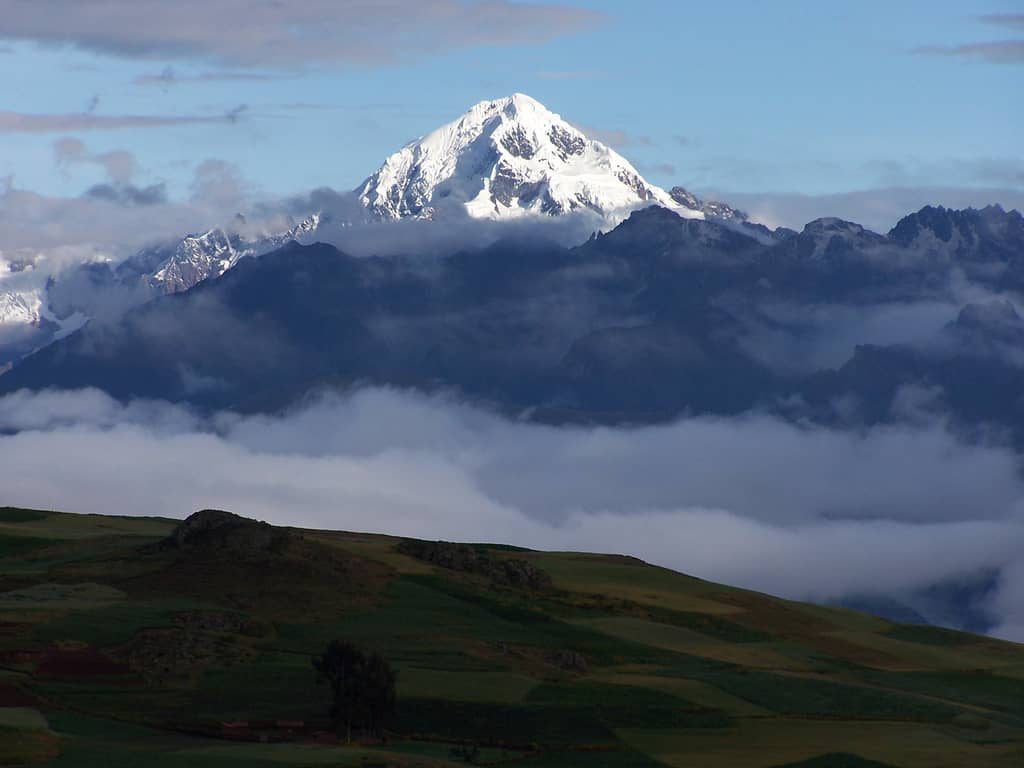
(745, 97)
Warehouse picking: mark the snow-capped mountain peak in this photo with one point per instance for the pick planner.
(197, 257)
(19, 308)
(714, 209)
(506, 158)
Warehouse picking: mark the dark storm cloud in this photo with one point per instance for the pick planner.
(811, 513)
(271, 33)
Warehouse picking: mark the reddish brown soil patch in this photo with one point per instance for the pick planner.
(19, 656)
(770, 614)
(323, 737)
(13, 696)
(82, 662)
(859, 654)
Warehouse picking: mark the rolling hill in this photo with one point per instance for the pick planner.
(130, 641)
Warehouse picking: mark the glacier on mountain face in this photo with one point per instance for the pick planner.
(510, 158)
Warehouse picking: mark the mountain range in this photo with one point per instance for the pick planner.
(659, 317)
(504, 159)
(676, 306)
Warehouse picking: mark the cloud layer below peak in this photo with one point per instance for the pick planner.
(807, 513)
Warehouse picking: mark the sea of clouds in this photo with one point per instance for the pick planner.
(808, 513)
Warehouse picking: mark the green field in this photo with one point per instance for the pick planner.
(116, 650)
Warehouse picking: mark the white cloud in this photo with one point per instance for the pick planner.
(877, 209)
(102, 223)
(752, 501)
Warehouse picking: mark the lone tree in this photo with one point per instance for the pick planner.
(362, 687)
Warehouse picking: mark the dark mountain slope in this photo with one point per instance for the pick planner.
(658, 317)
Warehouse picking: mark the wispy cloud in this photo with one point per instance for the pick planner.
(168, 77)
(995, 51)
(128, 194)
(663, 168)
(272, 33)
(115, 218)
(1012, 20)
(910, 172)
(305, 105)
(998, 51)
(615, 137)
(568, 74)
(119, 164)
(70, 122)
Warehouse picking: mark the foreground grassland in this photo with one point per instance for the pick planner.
(115, 651)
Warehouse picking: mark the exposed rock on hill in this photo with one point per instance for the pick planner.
(214, 529)
(231, 560)
(469, 559)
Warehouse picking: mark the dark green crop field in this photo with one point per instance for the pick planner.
(123, 643)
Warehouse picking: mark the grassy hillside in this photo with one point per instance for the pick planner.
(119, 648)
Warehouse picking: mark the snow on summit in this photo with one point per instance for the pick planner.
(502, 159)
(507, 158)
